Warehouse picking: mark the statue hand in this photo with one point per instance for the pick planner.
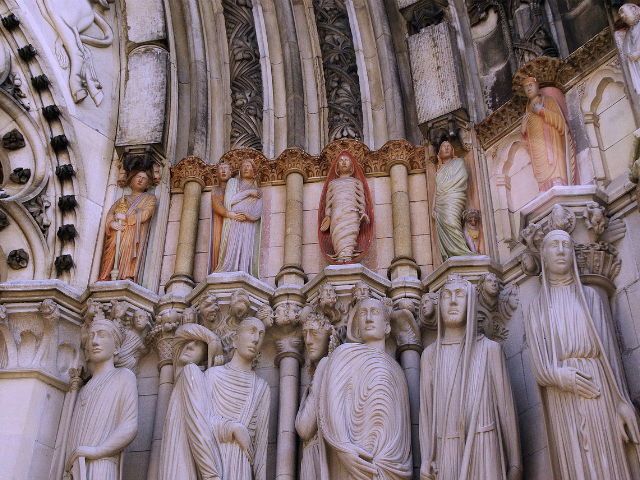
(237, 216)
(326, 223)
(241, 436)
(523, 127)
(121, 217)
(365, 218)
(537, 108)
(90, 453)
(357, 462)
(218, 360)
(116, 226)
(628, 423)
(255, 193)
(575, 381)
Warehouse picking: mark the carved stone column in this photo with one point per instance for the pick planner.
(191, 175)
(403, 264)
(162, 338)
(288, 359)
(291, 272)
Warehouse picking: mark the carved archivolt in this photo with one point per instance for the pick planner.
(562, 74)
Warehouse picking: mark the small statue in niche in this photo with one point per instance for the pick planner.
(127, 230)
(630, 14)
(547, 137)
(320, 339)
(190, 446)
(496, 306)
(472, 232)
(363, 404)
(134, 348)
(345, 214)
(595, 219)
(240, 236)
(240, 401)
(576, 362)
(223, 174)
(105, 417)
(468, 419)
(449, 202)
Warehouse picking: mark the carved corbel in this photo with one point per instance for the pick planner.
(496, 305)
(404, 327)
(161, 336)
(191, 169)
(287, 321)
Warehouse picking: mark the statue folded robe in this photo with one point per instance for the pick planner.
(240, 241)
(105, 404)
(450, 202)
(346, 205)
(190, 448)
(241, 397)
(364, 400)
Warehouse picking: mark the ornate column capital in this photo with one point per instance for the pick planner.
(161, 336)
(287, 321)
(191, 169)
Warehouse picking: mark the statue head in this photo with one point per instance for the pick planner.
(428, 305)
(190, 315)
(489, 285)
(595, 217)
(630, 14)
(361, 291)
(195, 344)
(371, 322)
(557, 253)
(531, 87)
(223, 172)
(105, 339)
(239, 306)
(248, 339)
(453, 302)
(344, 164)
(139, 180)
(446, 151)
(327, 296)
(471, 217)
(318, 334)
(140, 320)
(248, 169)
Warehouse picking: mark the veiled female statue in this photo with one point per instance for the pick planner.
(127, 230)
(240, 406)
(547, 137)
(190, 444)
(240, 236)
(345, 214)
(468, 420)
(364, 427)
(592, 427)
(320, 340)
(449, 203)
(105, 417)
(630, 14)
(133, 347)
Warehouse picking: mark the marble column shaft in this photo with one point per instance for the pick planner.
(403, 264)
(287, 457)
(292, 272)
(410, 362)
(165, 387)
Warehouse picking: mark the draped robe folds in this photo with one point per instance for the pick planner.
(131, 350)
(240, 397)
(584, 439)
(364, 401)
(550, 145)
(240, 241)
(133, 240)
(487, 393)
(450, 202)
(631, 45)
(345, 204)
(217, 220)
(190, 448)
(307, 427)
(105, 404)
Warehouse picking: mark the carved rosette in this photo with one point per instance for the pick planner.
(191, 169)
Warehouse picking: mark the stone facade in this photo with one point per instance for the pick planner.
(90, 99)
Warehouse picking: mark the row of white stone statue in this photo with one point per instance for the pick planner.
(354, 416)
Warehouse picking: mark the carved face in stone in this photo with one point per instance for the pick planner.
(491, 285)
(372, 321)
(344, 166)
(139, 320)
(248, 169)
(557, 252)
(530, 87)
(139, 182)
(446, 151)
(102, 344)
(223, 172)
(189, 316)
(119, 310)
(427, 307)
(361, 291)
(239, 303)
(630, 14)
(193, 352)
(327, 296)
(316, 339)
(453, 304)
(249, 338)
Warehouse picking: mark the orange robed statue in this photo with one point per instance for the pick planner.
(547, 137)
(127, 230)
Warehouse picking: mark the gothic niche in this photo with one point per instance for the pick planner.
(340, 70)
(246, 76)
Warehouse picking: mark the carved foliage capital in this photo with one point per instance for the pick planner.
(191, 169)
